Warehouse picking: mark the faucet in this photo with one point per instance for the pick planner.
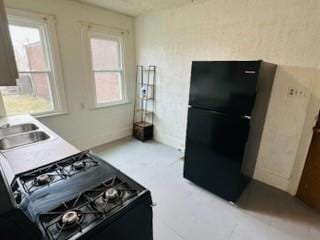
(5, 125)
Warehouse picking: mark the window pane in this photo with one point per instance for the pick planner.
(28, 48)
(105, 54)
(31, 95)
(108, 87)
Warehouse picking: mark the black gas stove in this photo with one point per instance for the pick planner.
(83, 197)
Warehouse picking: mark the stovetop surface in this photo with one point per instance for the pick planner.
(64, 183)
(48, 176)
(82, 213)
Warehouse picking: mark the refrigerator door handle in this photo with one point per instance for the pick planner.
(246, 117)
(250, 72)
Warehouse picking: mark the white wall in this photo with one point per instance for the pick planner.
(282, 32)
(288, 127)
(80, 126)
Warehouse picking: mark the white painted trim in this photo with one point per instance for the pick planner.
(47, 26)
(103, 28)
(89, 30)
(29, 16)
(3, 112)
(54, 53)
(50, 115)
(110, 104)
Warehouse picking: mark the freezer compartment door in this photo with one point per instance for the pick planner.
(214, 152)
(224, 86)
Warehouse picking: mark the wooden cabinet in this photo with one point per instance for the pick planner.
(143, 131)
(8, 67)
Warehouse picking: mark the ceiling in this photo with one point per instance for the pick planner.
(135, 7)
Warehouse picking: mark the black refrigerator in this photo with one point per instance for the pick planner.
(221, 102)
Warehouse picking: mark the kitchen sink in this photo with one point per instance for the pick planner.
(22, 139)
(16, 129)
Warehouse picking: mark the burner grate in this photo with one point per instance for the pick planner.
(48, 175)
(30, 183)
(91, 205)
(51, 221)
(101, 203)
(75, 166)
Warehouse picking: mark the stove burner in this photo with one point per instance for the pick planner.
(43, 179)
(112, 195)
(70, 219)
(17, 196)
(79, 165)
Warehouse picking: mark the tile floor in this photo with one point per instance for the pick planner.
(184, 211)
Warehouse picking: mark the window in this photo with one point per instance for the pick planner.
(37, 87)
(105, 68)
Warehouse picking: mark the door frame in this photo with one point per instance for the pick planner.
(312, 120)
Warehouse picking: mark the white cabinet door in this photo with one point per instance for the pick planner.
(8, 67)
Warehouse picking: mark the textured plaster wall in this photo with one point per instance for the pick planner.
(288, 128)
(83, 127)
(284, 32)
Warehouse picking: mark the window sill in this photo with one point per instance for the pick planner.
(52, 114)
(109, 105)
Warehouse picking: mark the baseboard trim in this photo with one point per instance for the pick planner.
(169, 140)
(102, 139)
(265, 176)
(260, 174)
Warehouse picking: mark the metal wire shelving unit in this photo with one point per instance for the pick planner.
(145, 100)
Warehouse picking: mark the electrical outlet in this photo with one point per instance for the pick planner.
(292, 92)
(295, 92)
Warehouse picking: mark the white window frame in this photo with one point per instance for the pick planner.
(101, 32)
(47, 26)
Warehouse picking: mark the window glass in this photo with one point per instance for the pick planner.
(28, 48)
(33, 91)
(107, 69)
(31, 95)
(108, 86)
(105, 54)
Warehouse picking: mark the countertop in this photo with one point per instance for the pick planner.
(18, 160)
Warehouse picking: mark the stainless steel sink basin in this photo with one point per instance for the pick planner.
(22, 139)
(16, 129)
